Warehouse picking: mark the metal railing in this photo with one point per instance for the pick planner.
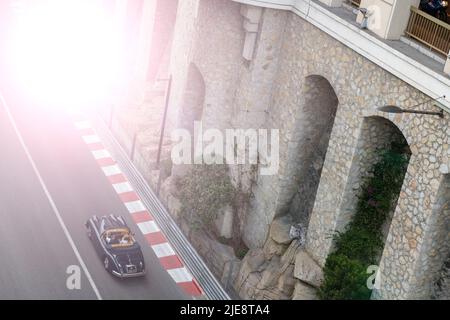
(429, 30)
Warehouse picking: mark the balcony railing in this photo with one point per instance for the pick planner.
(430, 31)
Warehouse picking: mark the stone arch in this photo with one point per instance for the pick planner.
(193, 98)
(306, 155)
(433, 269)
(376, 133)
(191, 110)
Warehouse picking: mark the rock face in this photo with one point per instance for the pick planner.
(272, 248)
(263, 278)
(280, 230)
(224, 222)
(307, 270)
(303, 291)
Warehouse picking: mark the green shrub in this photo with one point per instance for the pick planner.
(203, 192)
(345, 279)
(361, 244)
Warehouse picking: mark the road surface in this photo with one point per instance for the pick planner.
(43, 210)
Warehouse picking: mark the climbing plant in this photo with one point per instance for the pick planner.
(361, 244)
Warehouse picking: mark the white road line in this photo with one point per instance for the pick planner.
(163, 250)
(122, 187)
(111, 170)
(135, 206)
(148, 227)
(101, 154)
(180, 274)
(92, 138)
(50, 199)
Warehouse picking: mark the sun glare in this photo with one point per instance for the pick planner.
(65, 52)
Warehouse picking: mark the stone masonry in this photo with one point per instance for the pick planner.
(322, 96)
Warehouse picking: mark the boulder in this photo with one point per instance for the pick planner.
(290, 253)
(230, 273)
(307, 270)
(255, 259)
(272, 248)
(303, 291)
(271, 274)
(221, 252)
(280, 230)
(247, 289)
(287, 281)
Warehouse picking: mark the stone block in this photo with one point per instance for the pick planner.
(230, 272)
(307, 270)
(272, 248)
(255, 259)
(271, 274)
(287, 281)
(303, 291)
(280, 230)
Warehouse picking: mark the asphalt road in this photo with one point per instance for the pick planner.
(34, 249)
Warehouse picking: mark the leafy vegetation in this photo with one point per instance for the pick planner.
(361, 244)
(203, 192)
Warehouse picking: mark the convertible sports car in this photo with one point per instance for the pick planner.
(116, 246)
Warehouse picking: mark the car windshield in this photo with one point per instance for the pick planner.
(118, 238)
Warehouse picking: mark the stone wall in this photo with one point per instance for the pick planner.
(274, 90)
(360, 87)
(164, 23)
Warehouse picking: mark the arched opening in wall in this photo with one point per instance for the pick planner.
(190, 111)
(370, 198)
(193, 99)
(377, 137)
(313, 130)
(436, 246)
